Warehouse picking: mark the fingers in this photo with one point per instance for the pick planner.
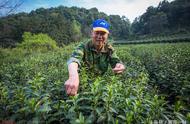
(68, 90)
(71, 88)
(71, 91)
(66, 86)
(119, 72)
(74, 92)
(116, 69)
(119, 68)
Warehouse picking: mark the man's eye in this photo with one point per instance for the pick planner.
(100, 33)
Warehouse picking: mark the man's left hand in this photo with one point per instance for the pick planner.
(119, 68)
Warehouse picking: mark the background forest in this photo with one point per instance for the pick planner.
(66, 25)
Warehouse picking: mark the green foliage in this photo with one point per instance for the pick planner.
(166, 18)
(158, 39)
(168, 68)
(65, 25)
(70, 24)
(37, 42)
(32, 88)
(76, 31)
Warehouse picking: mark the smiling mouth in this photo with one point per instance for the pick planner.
(99, 40)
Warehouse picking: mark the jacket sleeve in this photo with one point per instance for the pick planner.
(114, 59)
(77, 55)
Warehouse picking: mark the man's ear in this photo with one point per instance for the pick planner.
(91, 33)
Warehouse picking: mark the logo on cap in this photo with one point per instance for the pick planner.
(101, 25)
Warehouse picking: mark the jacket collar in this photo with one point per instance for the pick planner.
(103, 50)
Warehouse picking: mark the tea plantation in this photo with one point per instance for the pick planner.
(154, 87)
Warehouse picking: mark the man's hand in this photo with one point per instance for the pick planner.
(119, 68)
(71, 86)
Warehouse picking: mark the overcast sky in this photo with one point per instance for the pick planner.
(128, 8)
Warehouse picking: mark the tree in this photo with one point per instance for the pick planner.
(168, 18)
(37, 42)
(125, 27)
(120, 26)
(158, 23)
(75, 29)
(136, 26)
(164, 6)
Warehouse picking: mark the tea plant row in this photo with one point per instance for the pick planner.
(32, 87)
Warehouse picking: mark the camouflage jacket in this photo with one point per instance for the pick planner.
(86, 55)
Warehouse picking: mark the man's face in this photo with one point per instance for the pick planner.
(99, 38)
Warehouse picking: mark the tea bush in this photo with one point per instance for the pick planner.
(32, 90)
(168, 66)
(40, 42)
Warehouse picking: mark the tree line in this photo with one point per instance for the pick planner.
(63, 24)
(71, 24)
(167, 18)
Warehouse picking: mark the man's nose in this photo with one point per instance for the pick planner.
(99, 36)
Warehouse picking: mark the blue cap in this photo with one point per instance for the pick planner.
(101, 25)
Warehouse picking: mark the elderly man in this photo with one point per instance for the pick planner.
(96, 55)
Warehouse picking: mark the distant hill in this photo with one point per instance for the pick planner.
(71, 24)
(63, 24)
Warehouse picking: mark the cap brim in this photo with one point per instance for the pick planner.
(100, 29)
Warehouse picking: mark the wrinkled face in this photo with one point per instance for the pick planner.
(99, 38)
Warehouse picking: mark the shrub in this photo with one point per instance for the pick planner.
(32, 89)
(40, 42)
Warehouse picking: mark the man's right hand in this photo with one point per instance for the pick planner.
(71, 86)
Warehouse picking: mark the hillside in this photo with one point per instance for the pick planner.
(71, 24)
